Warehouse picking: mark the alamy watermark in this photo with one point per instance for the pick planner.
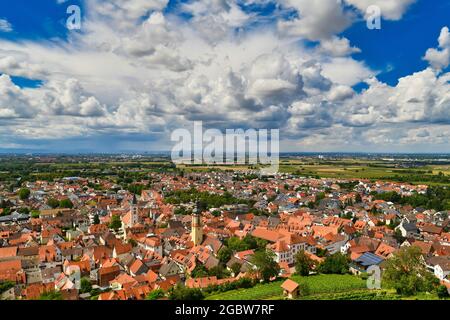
(374, 277)
(373, 17)
(73, 22)
(232, 147)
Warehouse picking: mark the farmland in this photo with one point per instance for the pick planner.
(424, 172)
(317, 284)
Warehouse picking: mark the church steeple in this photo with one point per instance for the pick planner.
(196, 226)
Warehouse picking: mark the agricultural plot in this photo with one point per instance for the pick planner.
(316, 284)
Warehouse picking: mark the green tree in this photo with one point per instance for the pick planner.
(115, 223)
(96, 219)
(335, 264)
(24, 193)
(320, 196)
(398, 236)
(85, 285)
(442, 292)
(224, 254)
(219, 272)
(53, 203)
(5, 286)
(199, 271)
(236, 268)
(66, 203)
(303, 263)
(52, 295)
(266, 266)
(406, 273)
(35, 214)
(155, 295)
(180, 292)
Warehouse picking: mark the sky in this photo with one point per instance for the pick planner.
(136, 70)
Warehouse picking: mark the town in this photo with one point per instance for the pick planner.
(219, 234)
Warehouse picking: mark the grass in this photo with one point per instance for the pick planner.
(317, 284)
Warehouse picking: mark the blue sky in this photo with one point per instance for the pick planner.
(116, 86)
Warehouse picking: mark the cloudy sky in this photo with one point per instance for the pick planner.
(138, 69)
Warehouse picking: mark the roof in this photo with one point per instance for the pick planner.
(266, 234)
(290, 285)
(368, 259)
(8, 252)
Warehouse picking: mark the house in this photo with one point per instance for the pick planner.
(29, 256)
(407, 229)
(170, 269)
(152, 244)
(363, 262)
(12, 271)
(287, 247)
(385, 251)
(8, 294)
(205, 282)
(122, 281)
(121, 250)
(107, 274)
(290, 289)
(137, 268)
(8, 253)
(440, 266)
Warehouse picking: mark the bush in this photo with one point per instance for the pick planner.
(52, 295)
(442, 292)
(86, 285)
(243, 283)
(66, 203)
(35, 214)
(115, 224)
(53, 203)
(155, 295)
(305, 290)
(5, 286)
(24, 193)
(181, 292)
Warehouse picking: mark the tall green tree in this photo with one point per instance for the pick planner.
(199, 271)
(24, 193)
(53, 203)
(335, 264)
(85, 285)
(407, 274)
(66, 203)
(224, 254)
(303, 263)
(266, 266)
(115, 223)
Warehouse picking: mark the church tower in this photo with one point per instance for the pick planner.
(196, 228)
(134, 212)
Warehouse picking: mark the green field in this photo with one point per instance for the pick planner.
(355, 295)
(366, 169)
(317, 284)
(348, 168)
